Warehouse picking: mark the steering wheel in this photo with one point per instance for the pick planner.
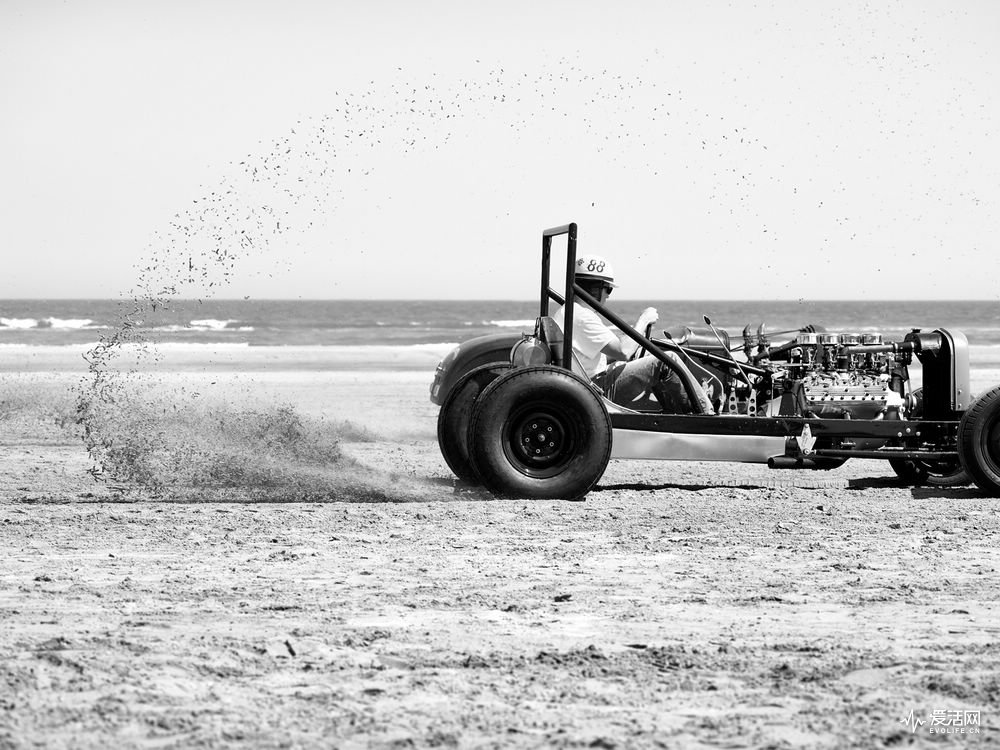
(640, 351)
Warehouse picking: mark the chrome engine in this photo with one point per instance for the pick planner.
(846, 376)
(849, 395)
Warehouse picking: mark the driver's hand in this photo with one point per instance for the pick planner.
(648, 317)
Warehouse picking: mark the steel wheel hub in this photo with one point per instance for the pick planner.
(539, 439)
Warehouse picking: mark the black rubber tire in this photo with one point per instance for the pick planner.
(916, 473)
(540, 432)
(456, 411)
(979, 441)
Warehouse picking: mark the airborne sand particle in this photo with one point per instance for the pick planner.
(269, 201)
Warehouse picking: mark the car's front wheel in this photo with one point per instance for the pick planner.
(936, 473)
(540, 432)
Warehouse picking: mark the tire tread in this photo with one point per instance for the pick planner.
(505, 381)
(968, 449)
(454, 447)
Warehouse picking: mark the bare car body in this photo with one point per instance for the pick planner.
(518, 417)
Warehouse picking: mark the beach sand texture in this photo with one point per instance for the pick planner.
(681, 605)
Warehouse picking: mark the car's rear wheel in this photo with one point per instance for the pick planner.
(936, 473)
(540, 432)
(979, 441)
(453, 419)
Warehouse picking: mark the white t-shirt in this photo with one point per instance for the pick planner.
(590, 335)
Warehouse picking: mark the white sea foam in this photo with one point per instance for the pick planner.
(208, 324)
(211, 324)
(82, 324)
(170, 329)
(20, 323)
(235, 357)
(526, 323)
(58, 324)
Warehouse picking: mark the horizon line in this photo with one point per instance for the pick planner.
(482, 299)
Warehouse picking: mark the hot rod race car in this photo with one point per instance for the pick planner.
(519, 418)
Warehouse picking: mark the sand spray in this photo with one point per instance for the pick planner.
(143, 432)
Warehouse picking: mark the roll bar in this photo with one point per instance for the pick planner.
(571, 288)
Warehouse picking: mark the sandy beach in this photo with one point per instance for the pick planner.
(369, 602)
(240, 237)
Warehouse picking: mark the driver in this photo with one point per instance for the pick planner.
(605, 355)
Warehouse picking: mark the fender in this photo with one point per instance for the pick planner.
(482, 350)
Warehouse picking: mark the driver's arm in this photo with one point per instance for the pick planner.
(624, 347)
(615, 350)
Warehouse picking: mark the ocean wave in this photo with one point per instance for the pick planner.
(435, 348)
(60, 324)
(212, 324)
(20, 323)
(525, 323)
(79, 324)
(207, 324)
(187, 346)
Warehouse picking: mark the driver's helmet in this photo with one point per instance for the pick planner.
(595, 268)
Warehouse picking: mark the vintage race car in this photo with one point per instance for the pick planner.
(519, 418)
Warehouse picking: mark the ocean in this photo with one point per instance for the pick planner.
(276, 323)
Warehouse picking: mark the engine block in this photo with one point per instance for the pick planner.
(849, 395)
(846, 375)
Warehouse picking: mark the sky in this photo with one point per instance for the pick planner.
(401, 150)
